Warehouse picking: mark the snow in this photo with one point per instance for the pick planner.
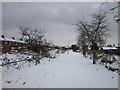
(11, 40)
(0, 78)
(68, 70)
(0, 73)
(109, 48)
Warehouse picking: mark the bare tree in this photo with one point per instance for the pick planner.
(94, 32)
(35, 39)
(115, 9)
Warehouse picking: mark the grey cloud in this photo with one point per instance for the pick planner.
(55, 18)
(32, 13)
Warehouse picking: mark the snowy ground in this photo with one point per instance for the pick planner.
(66, 71)
(0, 78)
(0, 73)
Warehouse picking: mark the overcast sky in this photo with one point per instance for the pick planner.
(56, 19)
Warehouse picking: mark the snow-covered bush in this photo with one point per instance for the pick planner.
(15, 60)
(109, 61)
(18, 57)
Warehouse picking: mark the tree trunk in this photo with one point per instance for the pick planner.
(94, 54)
(94, 57)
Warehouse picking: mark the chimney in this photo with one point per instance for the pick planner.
(3, 36)
(13, 38)
(20, 39)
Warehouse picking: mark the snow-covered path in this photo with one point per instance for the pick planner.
(66, 71)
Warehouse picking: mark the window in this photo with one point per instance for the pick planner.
(6, 42)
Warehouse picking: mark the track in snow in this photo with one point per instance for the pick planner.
(66, 71)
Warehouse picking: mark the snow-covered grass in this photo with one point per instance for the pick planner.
(68, 70)
(0, 78)
(0, 73)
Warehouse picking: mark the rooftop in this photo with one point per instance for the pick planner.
(11, 40)
(109, 48)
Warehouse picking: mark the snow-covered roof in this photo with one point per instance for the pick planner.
(118, 46)
(11, 40)
(109, 48)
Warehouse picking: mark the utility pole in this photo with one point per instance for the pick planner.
(68, 45)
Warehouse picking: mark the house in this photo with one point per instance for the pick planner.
(111, 50)
(118, 47)
(7, 44)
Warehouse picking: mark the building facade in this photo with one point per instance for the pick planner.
(7, 44)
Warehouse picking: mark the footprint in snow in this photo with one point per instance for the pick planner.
(17, 80)
(8, 81)
(24, 83)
